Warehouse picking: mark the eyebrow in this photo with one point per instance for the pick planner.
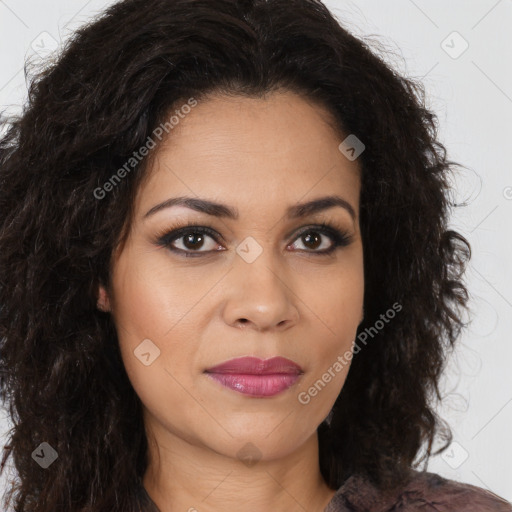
(224, 211)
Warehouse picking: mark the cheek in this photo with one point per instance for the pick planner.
(160, 374)
(333, 301)
(334, 307)
(155, 329)
(152, 296)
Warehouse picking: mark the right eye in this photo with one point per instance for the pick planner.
(191, 239)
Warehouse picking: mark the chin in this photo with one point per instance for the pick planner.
(259, 445)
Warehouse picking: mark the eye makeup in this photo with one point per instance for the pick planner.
(170, 235)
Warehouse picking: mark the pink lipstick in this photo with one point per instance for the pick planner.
(256, 377)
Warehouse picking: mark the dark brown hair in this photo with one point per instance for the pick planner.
(116, 79)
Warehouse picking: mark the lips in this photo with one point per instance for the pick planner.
(255, 366)
(256, 377)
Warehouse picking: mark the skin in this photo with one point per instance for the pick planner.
(259, 156)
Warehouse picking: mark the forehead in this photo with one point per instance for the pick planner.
(252, 151)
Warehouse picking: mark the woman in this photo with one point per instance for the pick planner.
(227, 278)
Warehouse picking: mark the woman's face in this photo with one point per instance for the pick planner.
(261, 284)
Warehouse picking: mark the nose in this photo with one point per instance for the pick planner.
(260, 295)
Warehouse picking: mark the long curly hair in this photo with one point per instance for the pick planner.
(115, 80)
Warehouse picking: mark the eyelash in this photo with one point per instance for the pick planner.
(165, 239)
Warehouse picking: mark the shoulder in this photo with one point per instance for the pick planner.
(424, 491)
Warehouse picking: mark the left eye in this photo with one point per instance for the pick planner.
(314, 237)
(192, 239)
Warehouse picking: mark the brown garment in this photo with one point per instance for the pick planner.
(426, 492)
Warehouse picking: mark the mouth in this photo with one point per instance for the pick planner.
(256, 377)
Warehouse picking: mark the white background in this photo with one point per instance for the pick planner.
(471, 92)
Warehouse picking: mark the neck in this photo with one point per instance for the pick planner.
(185, 477)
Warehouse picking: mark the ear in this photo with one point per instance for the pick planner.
(103, 302)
